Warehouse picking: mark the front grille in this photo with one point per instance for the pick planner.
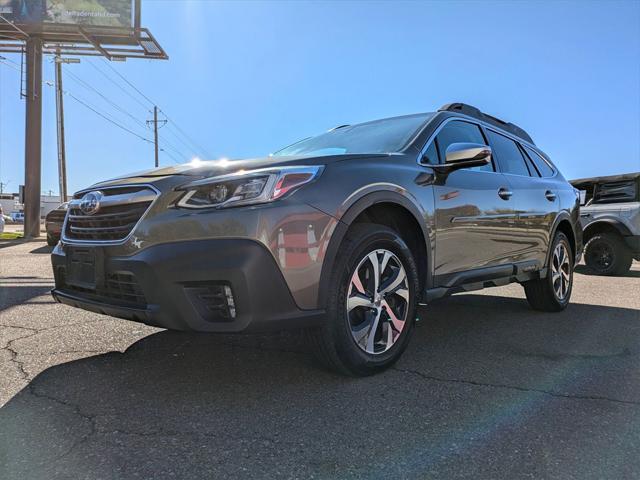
(120, 288)
(114, 221)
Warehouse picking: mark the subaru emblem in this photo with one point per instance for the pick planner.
(90, 203)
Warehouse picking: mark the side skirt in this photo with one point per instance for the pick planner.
(481, 278)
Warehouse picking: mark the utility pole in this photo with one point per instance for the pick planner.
(155, 122)
(62, 162)
(62, 159)
(33, 137)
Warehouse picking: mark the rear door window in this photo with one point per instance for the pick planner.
(508, 154)
(458, 131)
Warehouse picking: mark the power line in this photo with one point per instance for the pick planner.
(198, 148)
(171, 155)
(107, 118)
(166, 143)
(189, 147)
(77, 79)
(125, 79)
(85, 84)
(2, 60)
(117, 84)
(128, 82)
(202, 150)
(90, 107)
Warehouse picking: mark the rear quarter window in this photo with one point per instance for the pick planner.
(541, 164)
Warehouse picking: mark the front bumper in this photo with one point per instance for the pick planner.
(163, 286)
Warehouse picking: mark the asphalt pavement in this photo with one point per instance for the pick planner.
(487, 389)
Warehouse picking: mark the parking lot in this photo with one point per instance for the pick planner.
(487, 389)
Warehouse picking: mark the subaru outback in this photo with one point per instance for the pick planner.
(342, 234)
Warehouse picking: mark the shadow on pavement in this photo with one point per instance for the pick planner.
(488, 388)
(44, 249)
(15, 294)
(584, 270)
(10, 243)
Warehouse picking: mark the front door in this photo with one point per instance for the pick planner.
(475, 212)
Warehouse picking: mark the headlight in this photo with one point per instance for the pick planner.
(246, 187)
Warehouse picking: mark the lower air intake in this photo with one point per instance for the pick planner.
(213, 301)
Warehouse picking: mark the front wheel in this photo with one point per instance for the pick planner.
(606, 254)
(552, 293)
(371, 303)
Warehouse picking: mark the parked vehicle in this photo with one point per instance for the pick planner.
(17, 217)
(610, 218)
(342, 233)
(53, 223)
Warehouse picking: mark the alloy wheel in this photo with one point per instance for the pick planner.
(378, 301)
(601, 256)
(561, 271)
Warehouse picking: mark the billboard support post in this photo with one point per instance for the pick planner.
(33, 137)
(62, 161)
(36, 31)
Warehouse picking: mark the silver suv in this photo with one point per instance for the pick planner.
(610, 218)
(343, 233)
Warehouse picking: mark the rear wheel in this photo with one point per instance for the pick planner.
(371, 303)
(606, 254)
(552, 293)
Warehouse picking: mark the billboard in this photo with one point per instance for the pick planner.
(101, 13)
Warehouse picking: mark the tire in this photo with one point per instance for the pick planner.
(552, 293)
(344, 343)
(51, 240)
(606, 254)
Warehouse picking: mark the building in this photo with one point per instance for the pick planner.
(10, 203)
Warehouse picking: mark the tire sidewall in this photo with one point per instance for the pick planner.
(610, 243)
(561, 238)
(367, 239)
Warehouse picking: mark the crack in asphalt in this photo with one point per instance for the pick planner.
(515, 387)
(14, 353)
(77, 410)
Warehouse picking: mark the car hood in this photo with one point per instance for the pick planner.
(208, 168)
(164, 176)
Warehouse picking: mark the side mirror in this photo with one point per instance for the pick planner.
(464, 155)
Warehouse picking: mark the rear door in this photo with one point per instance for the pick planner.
(535, 198)
(475, 212)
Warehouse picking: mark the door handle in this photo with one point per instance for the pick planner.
(505, 193)
(550, 195)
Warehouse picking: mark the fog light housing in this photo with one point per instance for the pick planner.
(214, 302)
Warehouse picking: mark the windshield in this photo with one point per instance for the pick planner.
(380, 136)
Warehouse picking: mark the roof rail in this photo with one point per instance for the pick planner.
(476, 113)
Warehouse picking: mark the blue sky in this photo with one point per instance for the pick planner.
(246, 78)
